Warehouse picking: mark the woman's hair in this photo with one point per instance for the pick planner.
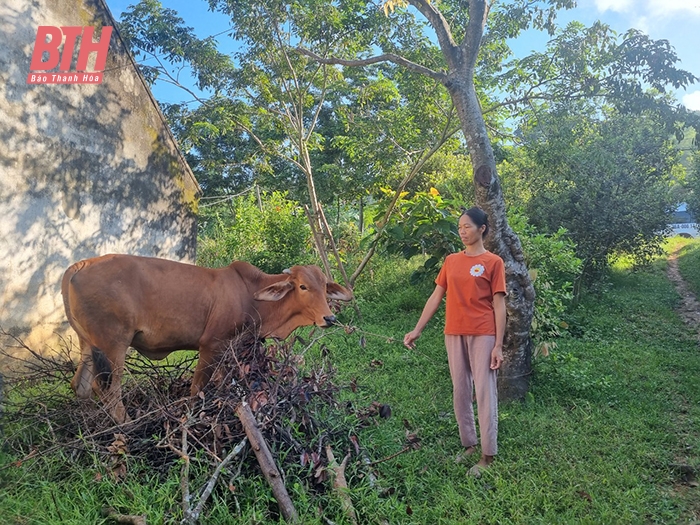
(478, 217)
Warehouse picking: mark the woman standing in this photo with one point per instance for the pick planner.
(475, 318)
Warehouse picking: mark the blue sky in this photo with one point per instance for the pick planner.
(677, 21)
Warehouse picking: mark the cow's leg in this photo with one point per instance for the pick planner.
(209, 355)
(84, 375)
(108, 355)
(112, 396)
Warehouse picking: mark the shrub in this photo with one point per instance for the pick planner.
(554, 268)
(423, 224)
(272, 239)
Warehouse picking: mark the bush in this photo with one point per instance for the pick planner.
(554, 268)
(272, 239)
(424, 224)
(606, 178)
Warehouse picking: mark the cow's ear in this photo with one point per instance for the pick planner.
(337, 292)
(275, 291)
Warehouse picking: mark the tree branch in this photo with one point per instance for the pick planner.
(447, 132)
(192, 516)
(478, 11)
(319, 106)
(439, 24)
(386, 57)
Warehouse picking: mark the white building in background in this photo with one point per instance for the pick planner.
(683, 223)
(85, 170)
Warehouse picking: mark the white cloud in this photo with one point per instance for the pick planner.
(613, 5)
(650, 8)
(668, 8)
(692, 101)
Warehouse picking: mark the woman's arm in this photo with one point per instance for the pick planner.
(499, 310)
(431, 306)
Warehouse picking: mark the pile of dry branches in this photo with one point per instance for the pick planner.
(258, 397)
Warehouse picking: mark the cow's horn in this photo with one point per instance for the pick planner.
(287, 271)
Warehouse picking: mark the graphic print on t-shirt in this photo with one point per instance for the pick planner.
(477, 270)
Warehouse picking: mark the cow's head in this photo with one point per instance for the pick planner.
(302, 300)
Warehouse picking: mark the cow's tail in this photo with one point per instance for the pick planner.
(102, 368)
(65, 285)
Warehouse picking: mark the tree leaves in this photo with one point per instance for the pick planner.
(606, 179)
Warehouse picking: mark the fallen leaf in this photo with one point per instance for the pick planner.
(356, 443)
(585, 495)
(409, 510)
(387, 492)
(412, 440)
(118, 471)
(321, 474)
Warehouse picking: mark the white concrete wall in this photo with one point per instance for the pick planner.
(85, 170)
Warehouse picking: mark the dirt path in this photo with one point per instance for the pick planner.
(689, 309)
(686, 484)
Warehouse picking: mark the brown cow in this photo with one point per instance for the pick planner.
(158, 306)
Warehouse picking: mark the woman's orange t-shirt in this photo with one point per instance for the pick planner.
(471, 282)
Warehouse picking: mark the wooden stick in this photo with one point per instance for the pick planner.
(267, 463)
(405, 449)
(192, 516)
(340, 484)
(111, 514)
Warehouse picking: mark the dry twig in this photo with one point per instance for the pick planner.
(340, 484)
(127, 519)
(193, 516)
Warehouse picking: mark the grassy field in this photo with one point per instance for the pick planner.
(611, 424)
(689, 263)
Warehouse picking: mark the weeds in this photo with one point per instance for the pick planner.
(608, 434)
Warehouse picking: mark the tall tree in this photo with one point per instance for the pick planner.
(460, 41)
(276, 116)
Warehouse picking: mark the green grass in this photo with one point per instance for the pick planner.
(689, 263)
(609, 414)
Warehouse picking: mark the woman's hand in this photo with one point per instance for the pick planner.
(496, 357)
(410, 338)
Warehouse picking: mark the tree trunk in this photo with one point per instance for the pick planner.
(501, 240)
